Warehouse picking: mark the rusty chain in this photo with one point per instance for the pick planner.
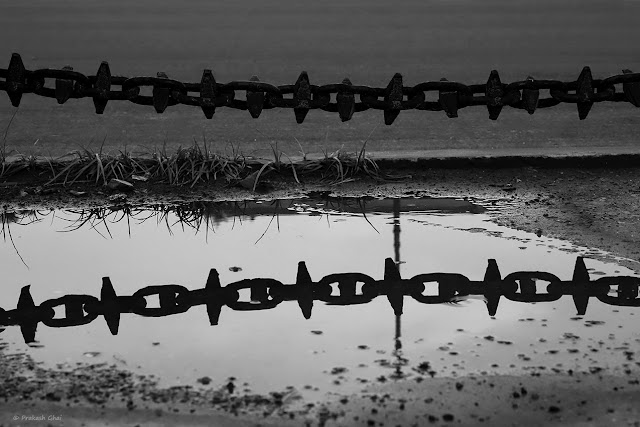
(268, 293)
(452, 96)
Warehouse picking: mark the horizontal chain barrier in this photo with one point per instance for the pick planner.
(452, 96)
(266, 294)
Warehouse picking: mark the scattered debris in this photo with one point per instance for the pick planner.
(204, 380)
(117, 198)
(91, 354)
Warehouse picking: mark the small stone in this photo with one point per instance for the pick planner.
(120, 185)
(424, 366)
(53, 396)
(204, 380)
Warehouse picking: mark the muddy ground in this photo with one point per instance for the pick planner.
(594, 207)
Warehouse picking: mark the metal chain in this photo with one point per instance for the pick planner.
(268, 293)
(452, 96)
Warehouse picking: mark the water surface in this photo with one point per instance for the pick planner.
(340, 347)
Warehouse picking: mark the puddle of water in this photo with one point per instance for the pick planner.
(341, 347)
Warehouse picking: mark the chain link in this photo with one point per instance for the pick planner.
(266, 294)
(170, 301)
(452, 96)
(74, 310)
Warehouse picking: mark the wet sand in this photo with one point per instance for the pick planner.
(533, 399)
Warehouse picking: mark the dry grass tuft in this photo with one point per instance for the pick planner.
(190, 166)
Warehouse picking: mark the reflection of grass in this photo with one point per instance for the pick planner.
(193, 215)
(190, 166)
(19, 218)
(197, 216)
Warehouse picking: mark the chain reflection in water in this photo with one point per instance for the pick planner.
(269, 293)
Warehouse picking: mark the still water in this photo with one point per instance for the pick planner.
(340, 348)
